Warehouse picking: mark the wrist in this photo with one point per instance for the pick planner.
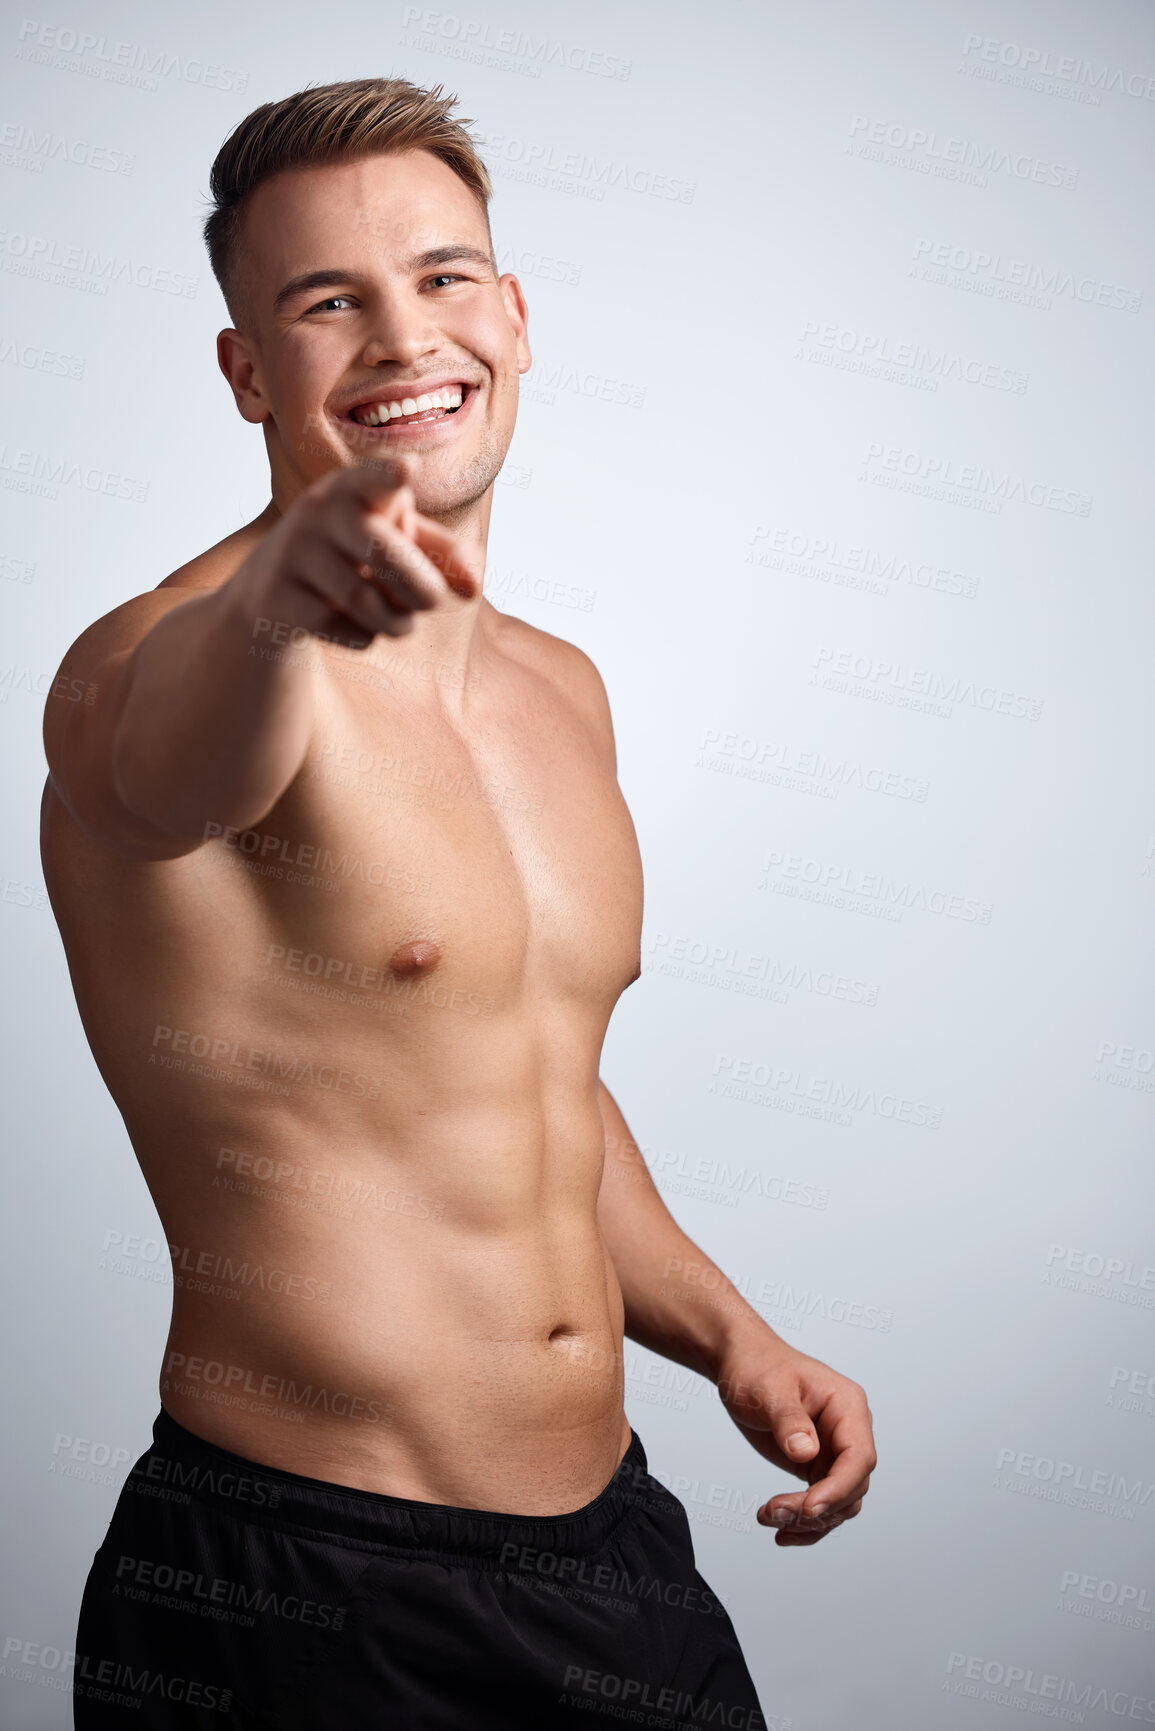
(736, 1334)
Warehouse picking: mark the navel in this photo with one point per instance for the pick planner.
(419, 957)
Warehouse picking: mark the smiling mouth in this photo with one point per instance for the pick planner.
(429, 406)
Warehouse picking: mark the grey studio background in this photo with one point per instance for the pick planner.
(834, 456)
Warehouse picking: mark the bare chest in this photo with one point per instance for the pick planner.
(492, 849)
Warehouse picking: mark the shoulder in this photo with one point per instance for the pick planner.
(217, 563)
(102, 649)
(564, 666)
(121, 628)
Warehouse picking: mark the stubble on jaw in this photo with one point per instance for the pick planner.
(458, 493)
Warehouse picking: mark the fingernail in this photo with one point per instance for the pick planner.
(818, 1509)
(782, 1517)
(800, 1436)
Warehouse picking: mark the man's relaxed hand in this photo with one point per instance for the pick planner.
(805, 1417)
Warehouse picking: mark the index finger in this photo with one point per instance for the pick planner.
(846, 1483)
(849, 1475)
(373, 483)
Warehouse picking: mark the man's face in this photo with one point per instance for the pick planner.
(370, 282)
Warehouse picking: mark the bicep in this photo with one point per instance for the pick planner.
(82, 714)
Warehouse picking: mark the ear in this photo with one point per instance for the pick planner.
(517, 313)
(237, 361)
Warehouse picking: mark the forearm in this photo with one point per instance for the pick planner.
(210, 731)
(677, 1302)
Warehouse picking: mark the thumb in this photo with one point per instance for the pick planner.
(765, 1407)
(793, 1431)
(798, 1439)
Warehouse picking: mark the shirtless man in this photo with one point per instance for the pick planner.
(348, 892)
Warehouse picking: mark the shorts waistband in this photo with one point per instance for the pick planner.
(181, 1467)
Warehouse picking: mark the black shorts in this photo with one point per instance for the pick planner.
(228, 1594)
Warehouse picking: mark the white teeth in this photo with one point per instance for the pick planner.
(375, 415)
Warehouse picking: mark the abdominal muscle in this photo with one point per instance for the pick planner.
(433, 1315)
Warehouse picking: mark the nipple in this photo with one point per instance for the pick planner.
(419, 957)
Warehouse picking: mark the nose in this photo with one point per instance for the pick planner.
(402, 331)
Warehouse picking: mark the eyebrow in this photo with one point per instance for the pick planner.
(308, 281)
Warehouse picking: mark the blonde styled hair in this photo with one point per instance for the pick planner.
(326, 124)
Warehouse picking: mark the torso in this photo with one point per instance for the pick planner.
(356, 1049)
